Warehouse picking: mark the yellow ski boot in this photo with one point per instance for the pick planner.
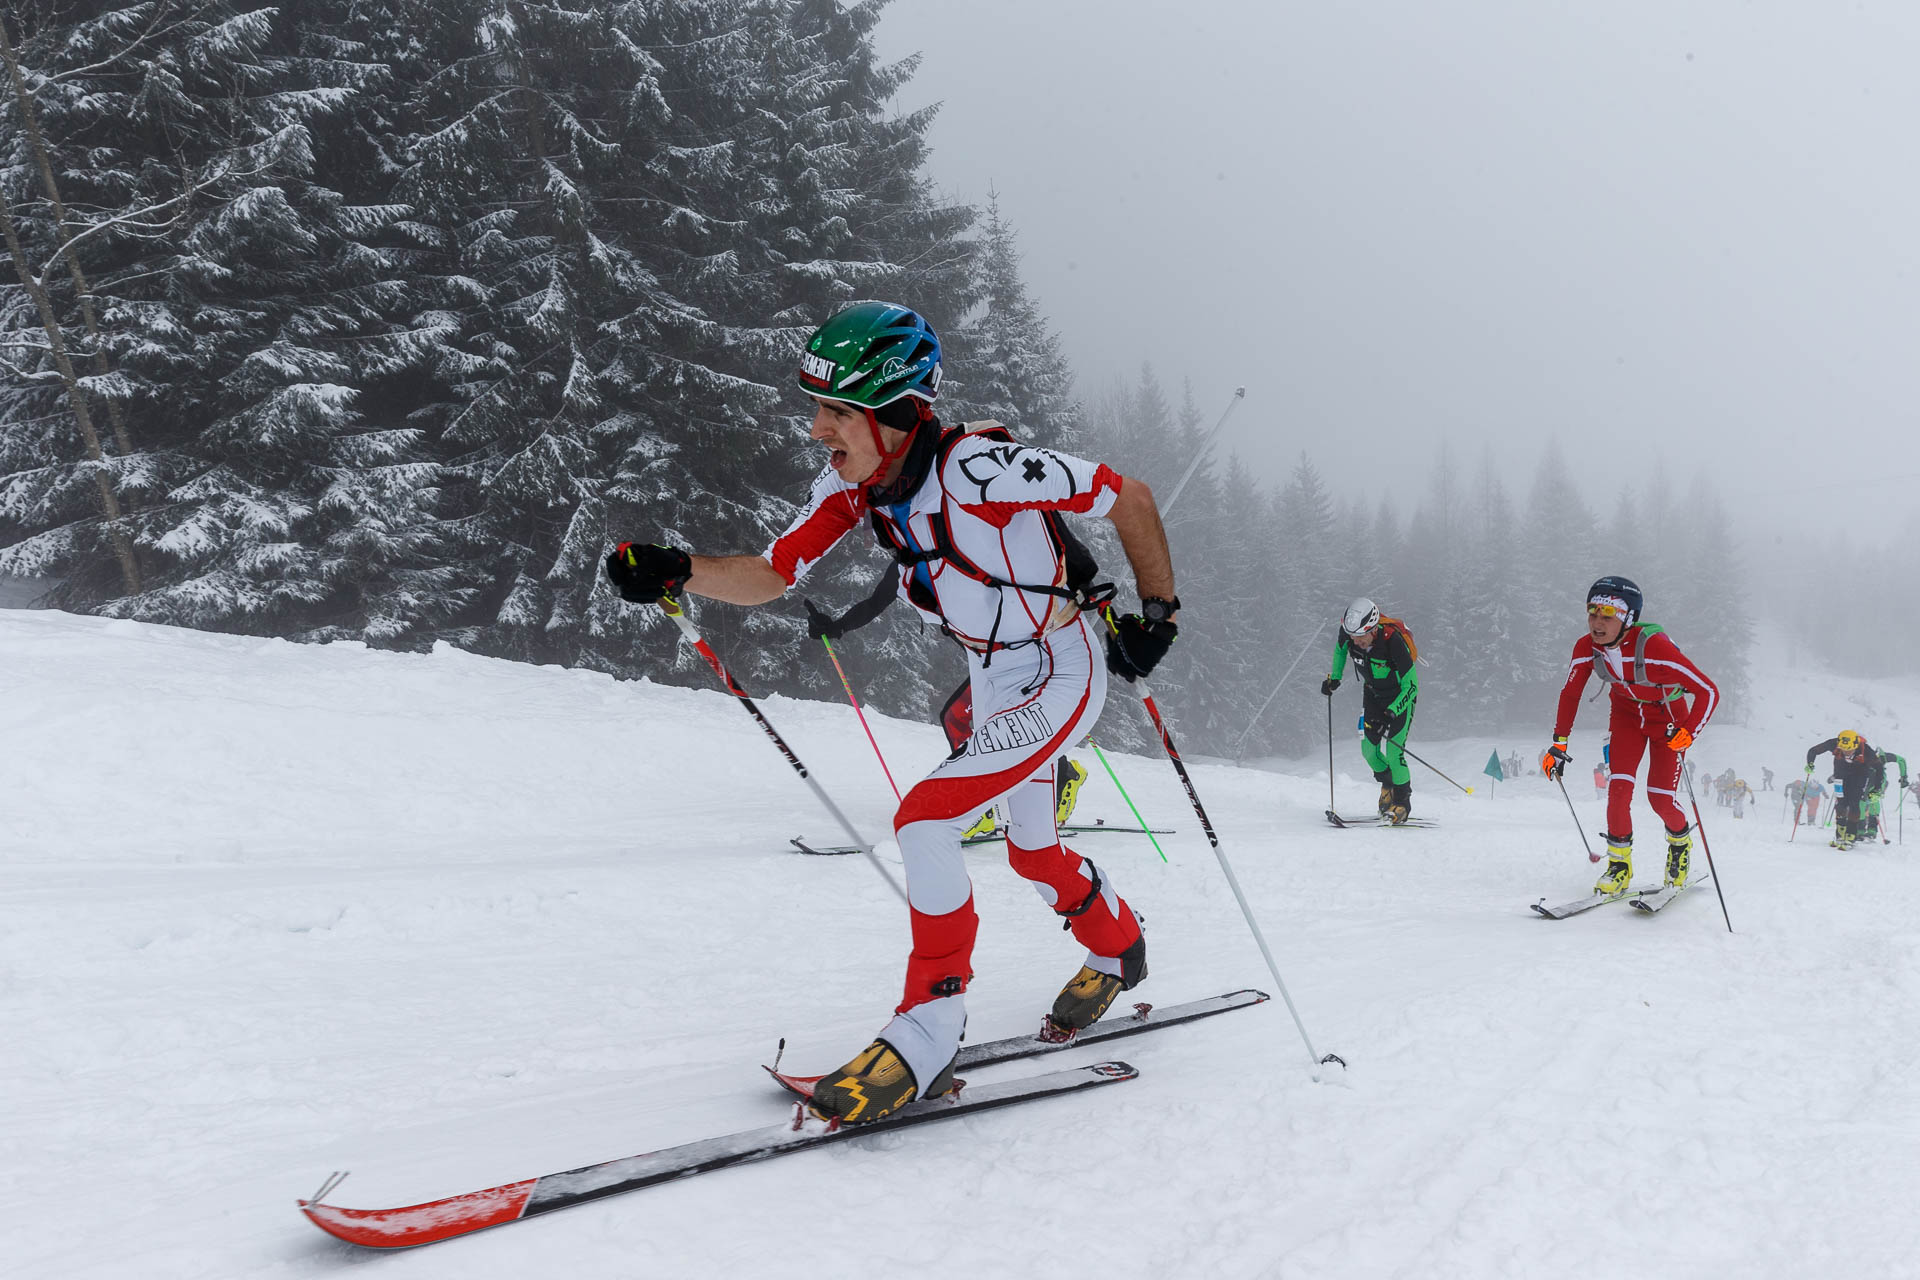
(1089, 993)
(1679, 845)
(1618, 877)
(989, 823)
(877, 1083)
(1066, 789)
(1402, 806)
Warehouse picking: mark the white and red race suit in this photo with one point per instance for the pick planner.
(1038, 680)
(1650, 680)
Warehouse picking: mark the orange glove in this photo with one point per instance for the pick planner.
(1682, 740)
(1554, 762)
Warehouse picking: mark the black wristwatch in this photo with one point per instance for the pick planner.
(1154, 609)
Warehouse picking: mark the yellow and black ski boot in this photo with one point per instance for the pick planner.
(1618, 877)
(1066, 789)
(877, 1083)
(1679, 845)
(1386, 799)
(989, 823)
(1090, 992)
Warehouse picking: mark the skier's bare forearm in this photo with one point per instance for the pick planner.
(735, 579)
(1136, 518)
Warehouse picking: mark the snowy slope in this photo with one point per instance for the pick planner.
(270, 910)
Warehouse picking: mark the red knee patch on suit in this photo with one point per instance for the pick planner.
(1098, 927)
(1055, 866)
(942, 960)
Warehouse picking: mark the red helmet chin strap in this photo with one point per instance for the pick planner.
(923, 412)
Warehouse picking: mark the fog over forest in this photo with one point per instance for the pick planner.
(1672, 240)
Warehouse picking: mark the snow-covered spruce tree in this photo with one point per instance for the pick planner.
(1316, 578)
(1199, 532)
(1440, 550)
(1552, 582)
(1250, 639)
(1712, 621)
(287, 509)
(1008, 363)
(1484, 687)
(238, 304)
(802, 194)
(65, 448)
(523, 146)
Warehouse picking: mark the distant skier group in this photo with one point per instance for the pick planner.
(1859, 781)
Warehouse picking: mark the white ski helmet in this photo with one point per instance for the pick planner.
(1362, 615)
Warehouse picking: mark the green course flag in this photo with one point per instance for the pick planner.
(1493, 769)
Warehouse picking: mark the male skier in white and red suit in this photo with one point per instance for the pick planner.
(1650, 681)
(972, 520)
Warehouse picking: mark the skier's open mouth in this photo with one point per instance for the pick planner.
(838, 459)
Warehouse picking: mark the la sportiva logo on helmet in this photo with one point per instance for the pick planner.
(892, 369)
(816, 369)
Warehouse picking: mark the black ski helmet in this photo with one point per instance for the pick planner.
(1621, 593)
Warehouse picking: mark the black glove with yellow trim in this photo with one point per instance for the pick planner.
(1135, 646)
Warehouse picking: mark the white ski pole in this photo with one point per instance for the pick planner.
(1233, 881)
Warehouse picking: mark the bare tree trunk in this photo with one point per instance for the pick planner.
(122, 438)
(109, 502)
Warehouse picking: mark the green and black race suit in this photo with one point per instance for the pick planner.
(1390, 685)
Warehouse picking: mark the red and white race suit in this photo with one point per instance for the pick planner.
(1038, 680)
(1650, 682)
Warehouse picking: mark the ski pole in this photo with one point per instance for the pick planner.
(671, 607)
(1233, 881)
(1711, 869)
(1405, 752)
(848, 686)
(1200, 454)
(1330, 804)
(1591, 855)
(1129, 799)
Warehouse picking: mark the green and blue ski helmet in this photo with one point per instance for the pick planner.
(871, 354)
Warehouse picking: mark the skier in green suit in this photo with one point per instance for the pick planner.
(1877, 790)
(1384, 659)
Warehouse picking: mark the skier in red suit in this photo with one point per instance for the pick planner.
(1651, 681)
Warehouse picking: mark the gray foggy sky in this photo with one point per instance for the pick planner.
(1669, 234)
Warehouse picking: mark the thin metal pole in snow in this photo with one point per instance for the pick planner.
(1443, 777)
(1711, 869)
(671, 607)
(1331, 806)
(1239, 394)
(1591, 855)
(1304, 651)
